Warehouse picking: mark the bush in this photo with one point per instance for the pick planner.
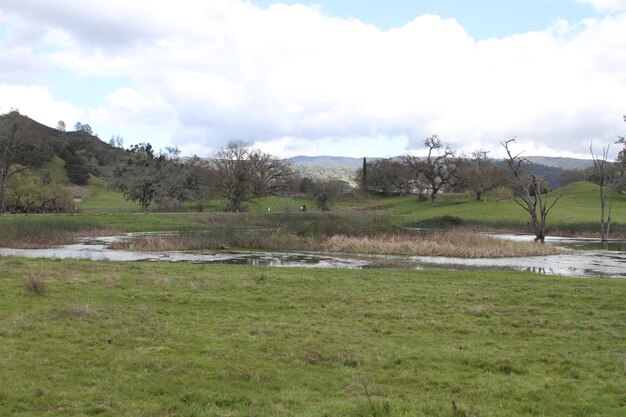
(440, 222)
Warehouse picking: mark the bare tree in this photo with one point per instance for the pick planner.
(245, 173)
(604, 175)
(13, 144)
(438, 168)
(528, 192)
(325, 191)
(620, 177)
(144, 176)
(270, 175)
(478, 174)
(61, 126)
(233, 167)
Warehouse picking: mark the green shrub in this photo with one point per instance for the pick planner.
(440, 222)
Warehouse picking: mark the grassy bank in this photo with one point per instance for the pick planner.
(117, 339)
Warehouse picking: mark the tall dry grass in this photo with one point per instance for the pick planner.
(464, 243)
(34, 285)
(460, 243)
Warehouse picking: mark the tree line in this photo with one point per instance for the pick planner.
(237, 173)
(443, 169)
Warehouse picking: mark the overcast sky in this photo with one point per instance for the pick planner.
(327, 77)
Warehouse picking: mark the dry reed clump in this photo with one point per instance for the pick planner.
(35, 285)
(39, 242)
(154, 243)
(458, 243)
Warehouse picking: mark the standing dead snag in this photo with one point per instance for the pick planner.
(527, 192)
(604, 175)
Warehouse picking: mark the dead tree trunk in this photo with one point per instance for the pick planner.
(604, 174)
(528, 194)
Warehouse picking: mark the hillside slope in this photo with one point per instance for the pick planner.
(80, 153)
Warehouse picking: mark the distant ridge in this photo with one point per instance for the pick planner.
(560, 162)
(327, 161)
(345, 168)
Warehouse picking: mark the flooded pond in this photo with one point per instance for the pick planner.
(585, 258)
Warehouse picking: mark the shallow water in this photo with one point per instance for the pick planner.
(585, 258)
(579, 243)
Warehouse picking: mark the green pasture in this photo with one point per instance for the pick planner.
(139, 339)
(578, 209)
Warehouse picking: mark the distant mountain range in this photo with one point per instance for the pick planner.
(345, 168)
(355, 163)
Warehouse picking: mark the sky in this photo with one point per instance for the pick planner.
(323, 77)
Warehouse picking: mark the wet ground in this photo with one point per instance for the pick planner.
(584, 258)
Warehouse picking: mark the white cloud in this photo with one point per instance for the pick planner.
(38, 104)
(606, 5)
(203, 73)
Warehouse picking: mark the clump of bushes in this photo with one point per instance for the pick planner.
(440, 222)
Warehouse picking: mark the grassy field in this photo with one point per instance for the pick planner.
(578, 210)
(577, 213)
(117, 339)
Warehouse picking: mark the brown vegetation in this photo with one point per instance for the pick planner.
(34, 285)
(462, 243)
(457, 243)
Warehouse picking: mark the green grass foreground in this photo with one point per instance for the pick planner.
(139, 339)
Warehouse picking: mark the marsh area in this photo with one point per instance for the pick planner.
(582, 258)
